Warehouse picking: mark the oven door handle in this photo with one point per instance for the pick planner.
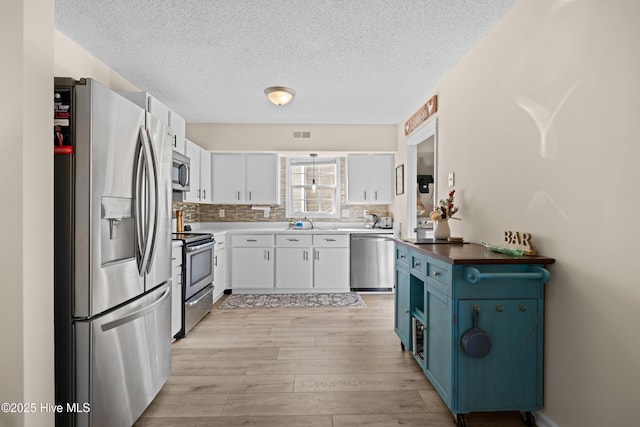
(199, 247)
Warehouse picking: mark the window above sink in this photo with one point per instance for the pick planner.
(321, 200)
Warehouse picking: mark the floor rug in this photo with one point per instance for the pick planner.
(326, 300)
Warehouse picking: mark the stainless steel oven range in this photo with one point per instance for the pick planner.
(197, 278)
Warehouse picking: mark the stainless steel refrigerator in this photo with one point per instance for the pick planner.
(112, 214)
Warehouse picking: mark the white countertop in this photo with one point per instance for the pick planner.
(283, 228)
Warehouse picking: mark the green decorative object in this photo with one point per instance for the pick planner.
(503, 249)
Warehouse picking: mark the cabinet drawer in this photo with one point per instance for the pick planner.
(249, 240)
(402, 256)
(439, 272)
(417, 263)
(292, 241)
(331, 240)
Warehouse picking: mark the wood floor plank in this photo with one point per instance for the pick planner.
(186, 405)
(360, 382)
(232, 353)
(391, 420)
(275, 421)
(229, 384)
(324, 403)
(240, 341)
(333, 366)
(350, 352)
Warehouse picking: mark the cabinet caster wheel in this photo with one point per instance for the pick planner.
(402, 346)
(528, 419)
(461, 420)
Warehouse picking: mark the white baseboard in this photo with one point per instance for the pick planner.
(544, 421)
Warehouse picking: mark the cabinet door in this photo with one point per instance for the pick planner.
(402, 318)
(438, 341)
(358, 171)
(382, 179)
(252, 268)
(158, 109)
(227, 172)
(219, 269)
(193, 152)
(510, 376)
(179, 127)
(331, 268)
(176, 290)
(205, 176)
(293, 268)
(262, 178)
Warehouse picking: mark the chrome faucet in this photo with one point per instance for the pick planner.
(310, 220)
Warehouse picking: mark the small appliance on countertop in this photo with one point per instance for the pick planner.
(385, 222)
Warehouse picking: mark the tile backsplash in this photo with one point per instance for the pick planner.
(201, 212)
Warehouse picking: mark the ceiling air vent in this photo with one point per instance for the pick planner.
(300, 134)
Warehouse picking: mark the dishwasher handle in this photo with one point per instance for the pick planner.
(372, 238)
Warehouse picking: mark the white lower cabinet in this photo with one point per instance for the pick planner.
(252, 267)
(220, 281)
(176, 288)
(331, 261)
(331, 268)
(294, 268)
(252, 261)
(294, 263)
(290, 262)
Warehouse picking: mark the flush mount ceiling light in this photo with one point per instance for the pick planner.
(279, 95)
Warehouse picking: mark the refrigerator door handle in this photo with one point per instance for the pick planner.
(136, 314)
(138, 196)
(154, 186)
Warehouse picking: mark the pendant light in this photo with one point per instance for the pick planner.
(313, 168)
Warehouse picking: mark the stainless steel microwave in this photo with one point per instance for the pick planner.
(180, 172)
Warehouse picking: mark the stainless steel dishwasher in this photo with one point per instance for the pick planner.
(372, 262)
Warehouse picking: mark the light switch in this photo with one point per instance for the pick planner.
(452, 179)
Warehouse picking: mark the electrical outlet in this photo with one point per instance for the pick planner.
(452, 179)
(221, 213)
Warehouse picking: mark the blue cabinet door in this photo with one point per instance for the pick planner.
(403, 318)
(438, 338)
(509, 377)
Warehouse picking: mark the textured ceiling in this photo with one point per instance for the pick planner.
(349, 61)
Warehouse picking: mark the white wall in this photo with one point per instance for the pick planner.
(538, 122)
(257, 137)
(71, 60)
(26, 221)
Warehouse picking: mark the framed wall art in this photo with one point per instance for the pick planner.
(400, 179)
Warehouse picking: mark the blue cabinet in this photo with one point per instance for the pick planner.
(402, 317)
(442, 286)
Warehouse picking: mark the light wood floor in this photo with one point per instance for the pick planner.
(301, 367)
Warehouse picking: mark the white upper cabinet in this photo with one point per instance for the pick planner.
(245, 178)
(179, 127)
(150, 104)
(227, 178)
(263, 178)
(164, 114)
(370, 178)
(199, 174)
